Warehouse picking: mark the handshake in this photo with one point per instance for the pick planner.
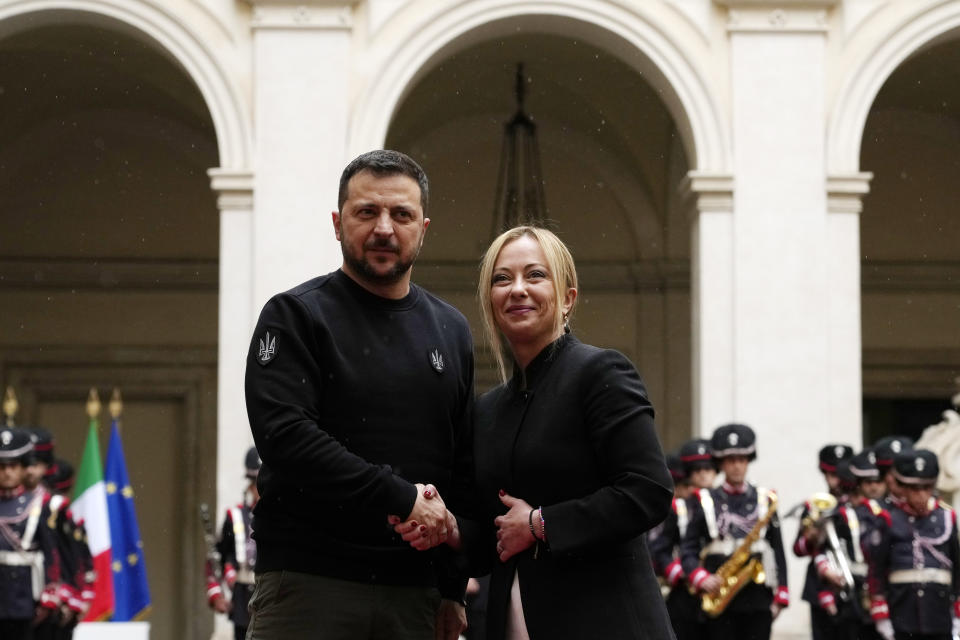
(429, 524)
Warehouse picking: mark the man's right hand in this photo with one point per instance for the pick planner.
(427, 525)
(711, 584)
(834, 577)
(219, 604)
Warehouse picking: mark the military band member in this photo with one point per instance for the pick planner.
(720, 520)
(238, 554)
(857, 518)
(886, 449)
(809, 543)
(59, 480)
(28, 562)
(696, 471)
(913, 557)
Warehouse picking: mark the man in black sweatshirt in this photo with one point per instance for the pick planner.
(359, 388)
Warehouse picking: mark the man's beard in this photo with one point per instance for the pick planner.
(360, 266)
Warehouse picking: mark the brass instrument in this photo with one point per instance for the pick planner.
(740, 568)
(822, 509)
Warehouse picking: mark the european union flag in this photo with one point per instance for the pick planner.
(131, 592)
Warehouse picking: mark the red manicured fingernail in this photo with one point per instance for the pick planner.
(502, 492)
(427, 493)
(423, 527)
(413, 522)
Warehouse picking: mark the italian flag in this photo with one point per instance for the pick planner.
(90, 507)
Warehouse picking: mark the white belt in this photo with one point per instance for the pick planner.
(32, 559)
(859, 569)
(20, 558)
(728, 546)
(907, 576)
(245, 576)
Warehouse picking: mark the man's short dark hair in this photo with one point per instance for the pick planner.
(385, 162)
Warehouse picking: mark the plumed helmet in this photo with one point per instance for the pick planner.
(888, 448)
(832, 454)
(916, 467)
(677, 471)
(252, 463)
(864, 465)
(734, 440)
(43, 443)
(696, 454)
(15, 445)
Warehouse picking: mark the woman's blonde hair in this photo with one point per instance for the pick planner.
(563, 275)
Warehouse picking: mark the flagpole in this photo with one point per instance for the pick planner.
(93, 404)
(10, 405)
(116, 406)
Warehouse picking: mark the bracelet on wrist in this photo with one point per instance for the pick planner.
(530, 523)
(543, 524)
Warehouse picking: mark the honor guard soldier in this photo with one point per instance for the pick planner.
(696, 472)
(913, 557)
(77, 575)
(886, 449)
(238, 554)
(810, 542)
(28, 560)
(40, 469)
(733, 549)
(841, 608)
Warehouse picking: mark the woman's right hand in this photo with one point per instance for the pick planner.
(513, 528)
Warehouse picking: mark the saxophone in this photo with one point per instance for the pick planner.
(740, 568)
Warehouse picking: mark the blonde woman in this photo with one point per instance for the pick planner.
(569, 469)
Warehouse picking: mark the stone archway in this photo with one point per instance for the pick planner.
(618, 158)
(111, 255)
(636, 35)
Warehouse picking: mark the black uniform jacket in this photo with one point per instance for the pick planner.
(574, 434)
(914, 568)
(736, 515)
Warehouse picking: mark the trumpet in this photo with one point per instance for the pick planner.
(822, 509)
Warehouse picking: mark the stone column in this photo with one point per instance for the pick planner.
(843, 288)
(236, 318)
(710, 201)
(301, 72)
(792, 261)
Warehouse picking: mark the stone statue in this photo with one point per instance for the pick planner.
(944, 440)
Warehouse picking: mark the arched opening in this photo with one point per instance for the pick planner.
(613, 158)
(109, 250)
(909, 231)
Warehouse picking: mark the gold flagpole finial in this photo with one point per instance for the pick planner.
(93, 404)
(116, 404)
(10, 405)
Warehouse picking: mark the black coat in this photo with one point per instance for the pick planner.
(574, 434)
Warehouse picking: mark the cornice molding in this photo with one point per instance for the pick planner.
(35, 274)
(234, 188)
(778, 16)
(108, 274)
(845, 192)
(323, 15)
(707, 192)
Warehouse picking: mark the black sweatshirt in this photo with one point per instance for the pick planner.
(352, 398)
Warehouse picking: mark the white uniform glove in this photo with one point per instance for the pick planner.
(956, 628)
(885, 629)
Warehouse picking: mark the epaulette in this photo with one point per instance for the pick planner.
(874, 507)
